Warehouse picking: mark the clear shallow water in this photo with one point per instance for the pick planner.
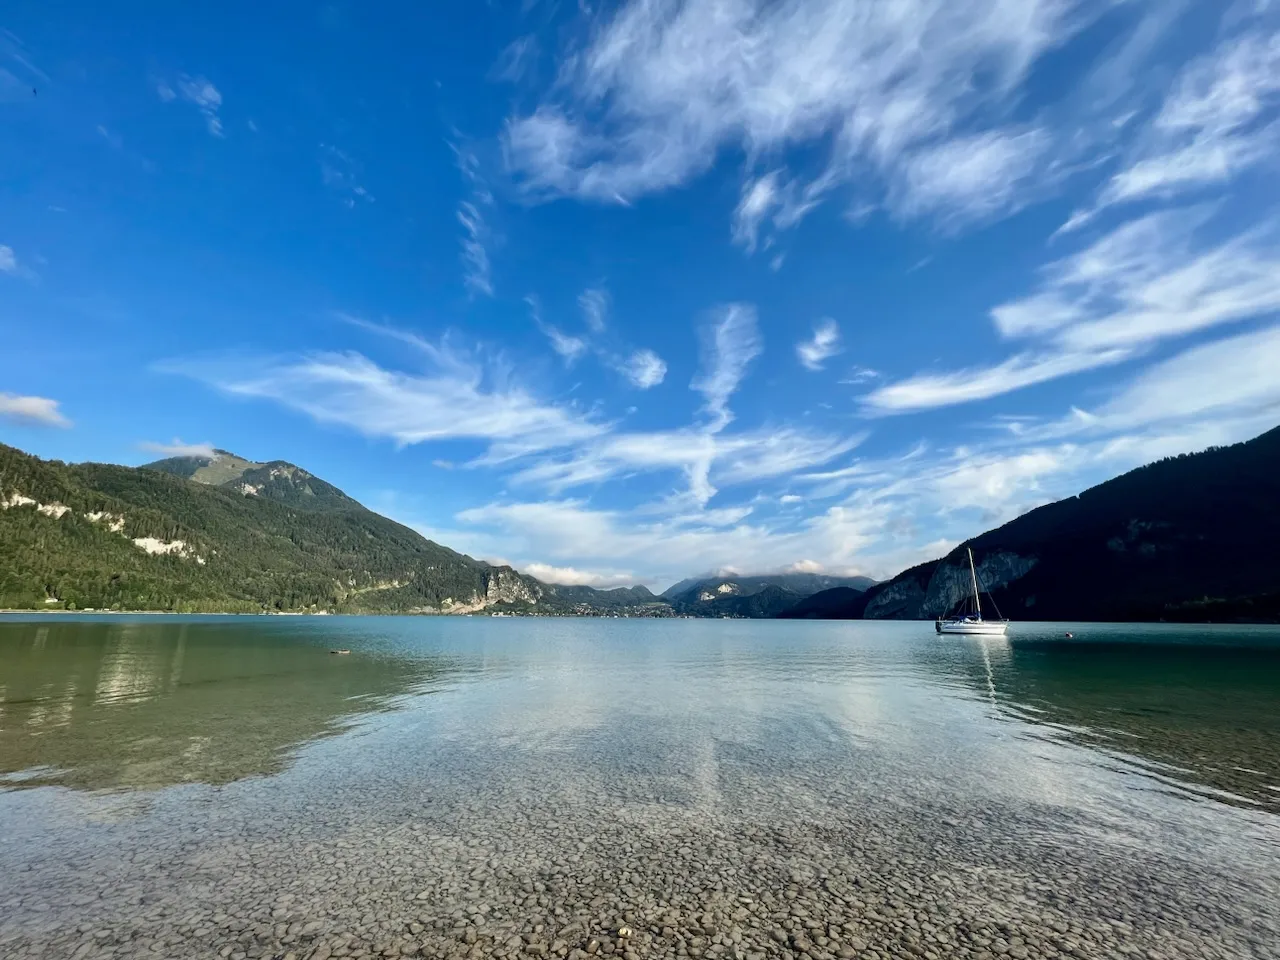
(171, 752)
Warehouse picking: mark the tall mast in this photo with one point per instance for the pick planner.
(974, 574)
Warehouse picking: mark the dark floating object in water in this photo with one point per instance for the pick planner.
(341, 653)
(1070, 634)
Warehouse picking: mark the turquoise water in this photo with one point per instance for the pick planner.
(153, 701)
(136, 740)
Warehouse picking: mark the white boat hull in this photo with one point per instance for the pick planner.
(982, 628)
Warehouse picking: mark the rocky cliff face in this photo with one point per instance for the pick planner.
(504, 585)
(901, 599)
(951, 581)
(924, 593)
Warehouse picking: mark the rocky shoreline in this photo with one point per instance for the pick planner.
(796, 868)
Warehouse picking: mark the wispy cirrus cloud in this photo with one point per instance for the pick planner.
(903, 89)
(877, 515)
(1221, 118)
(1150, 279)
(594, 303)
(201, 93)
(457, 396)
(342, 174)
(925, 391)
(970, 178)
(706, 455)
(641, 367)
(1216, 392)
(570, 348)
(758, 197)
(516, 61)
(821, 347)
(31, 411)
(730, 341)
(706, 460)
(477, 235)
(478, 274)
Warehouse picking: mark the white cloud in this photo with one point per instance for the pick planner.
(595, 308)
(200, 92)
(821, 347)
(571, 576)
(179, 449)
(859, 375)
(341, 174)
(641, 367)
(892, 511)
(1217, 121)
(994, 482)
(569, 347)
(31, 411)
(516, 60)
(477, 237)
(478, 274)
(969, 177)
(457, 398)
(662, 88)
(705, 459)
(758, 196)
(805, 566)
(666, 549)
(704, 454)
(770, 452)
(644, 369)
(966, 384)
(1228, 387)
(1148, 280)
(8, 260)
(730, 341)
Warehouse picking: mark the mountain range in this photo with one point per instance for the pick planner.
(222, 533)
(754, 596)
(1187, 538)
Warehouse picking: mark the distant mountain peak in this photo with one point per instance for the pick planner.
(272, 479)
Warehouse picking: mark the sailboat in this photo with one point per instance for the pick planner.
(964, 621)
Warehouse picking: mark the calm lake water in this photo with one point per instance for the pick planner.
(157, 773)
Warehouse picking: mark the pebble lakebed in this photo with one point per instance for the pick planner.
(545, 858)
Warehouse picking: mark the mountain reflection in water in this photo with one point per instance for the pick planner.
(128, 704)
(1198, 709)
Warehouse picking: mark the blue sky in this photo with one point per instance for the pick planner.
(624, 293)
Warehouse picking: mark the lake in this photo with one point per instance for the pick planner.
(227, 787)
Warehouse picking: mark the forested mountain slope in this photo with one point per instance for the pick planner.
(1195, 537)
(243, 537)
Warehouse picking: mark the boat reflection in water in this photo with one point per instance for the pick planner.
(129, 704)
(1190, 704)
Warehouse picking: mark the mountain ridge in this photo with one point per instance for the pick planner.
(260, 537)
(1186, 538)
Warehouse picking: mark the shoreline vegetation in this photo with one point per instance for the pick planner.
(1188, 539)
